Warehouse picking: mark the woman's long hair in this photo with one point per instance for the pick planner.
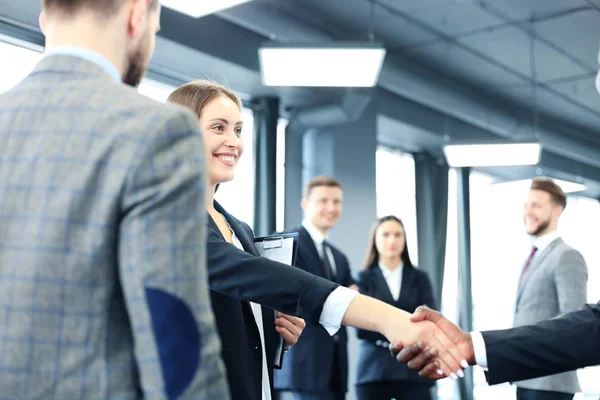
(373, 254)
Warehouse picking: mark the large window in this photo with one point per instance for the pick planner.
(579, 228)
(237, 196)
(395, 186)
(499, 248)
(280, 180)
(155, 90)
(22, 62)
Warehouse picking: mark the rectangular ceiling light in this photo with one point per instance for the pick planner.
(335, 64)
(199, 8)
(492, 155)
(566, 186)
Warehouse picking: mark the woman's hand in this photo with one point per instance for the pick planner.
(289, 327)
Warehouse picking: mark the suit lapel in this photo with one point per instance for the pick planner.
(534, 265)
(309, 245)
(268, 315)
(408, 277)
(381, 285)
(213, 225)
(240, 232)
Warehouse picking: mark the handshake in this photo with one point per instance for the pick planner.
(434, 346)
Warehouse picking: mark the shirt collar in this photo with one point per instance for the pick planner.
(386, 272)
(88, 55)
(314, 233)
(544, 241)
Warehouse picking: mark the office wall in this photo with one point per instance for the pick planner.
(354, 148)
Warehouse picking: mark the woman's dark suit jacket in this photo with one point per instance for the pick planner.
(236, 277)
(375, 362)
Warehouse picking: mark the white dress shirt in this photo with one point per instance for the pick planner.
(479, 349)
(331, 317)
(257, 311)
(318, 238)
(544, 241)
(393, 279)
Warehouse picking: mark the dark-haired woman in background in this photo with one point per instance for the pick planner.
(389, 275)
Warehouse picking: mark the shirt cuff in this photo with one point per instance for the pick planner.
(335, 307)
(479, 349)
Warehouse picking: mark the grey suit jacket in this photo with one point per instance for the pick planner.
(103, 285)
(555, 284)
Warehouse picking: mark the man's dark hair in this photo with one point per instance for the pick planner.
(69, 7)
(549, 186)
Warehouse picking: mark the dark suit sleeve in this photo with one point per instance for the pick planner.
(549, 347)
(241, 275)
(426, 291)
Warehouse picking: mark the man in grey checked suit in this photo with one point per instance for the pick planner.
(553, 282)
(103, 286)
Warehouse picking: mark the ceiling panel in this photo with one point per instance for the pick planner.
(26, 11)
(584, 118)
(581, 118)
(577, 34)
(410, 6)
(524, 9)
(353, 16)
(511, 47)
(456, 61)
(551, 64)
(457, 18)
(583, 90)
(399, 32)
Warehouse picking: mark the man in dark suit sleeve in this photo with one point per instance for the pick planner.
(548, 347)
(316, 368)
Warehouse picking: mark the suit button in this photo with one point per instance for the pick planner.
(255, 347)
(336, 337)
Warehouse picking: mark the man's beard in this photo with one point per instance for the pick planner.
(541, 228)
(136, 68)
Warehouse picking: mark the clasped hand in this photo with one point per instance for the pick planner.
(438, 348)
(289, 327)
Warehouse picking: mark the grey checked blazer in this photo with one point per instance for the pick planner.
(555, 284)
(103, 286)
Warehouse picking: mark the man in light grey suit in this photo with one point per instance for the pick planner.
(553, 282)
(103, 285)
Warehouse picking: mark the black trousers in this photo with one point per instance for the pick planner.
(286, 395)
(398, 390)
(335, 385)
(529, 394)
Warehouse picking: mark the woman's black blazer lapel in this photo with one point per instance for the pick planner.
(241, 232)
(408, 288)
(247, 240)
(380, 284)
